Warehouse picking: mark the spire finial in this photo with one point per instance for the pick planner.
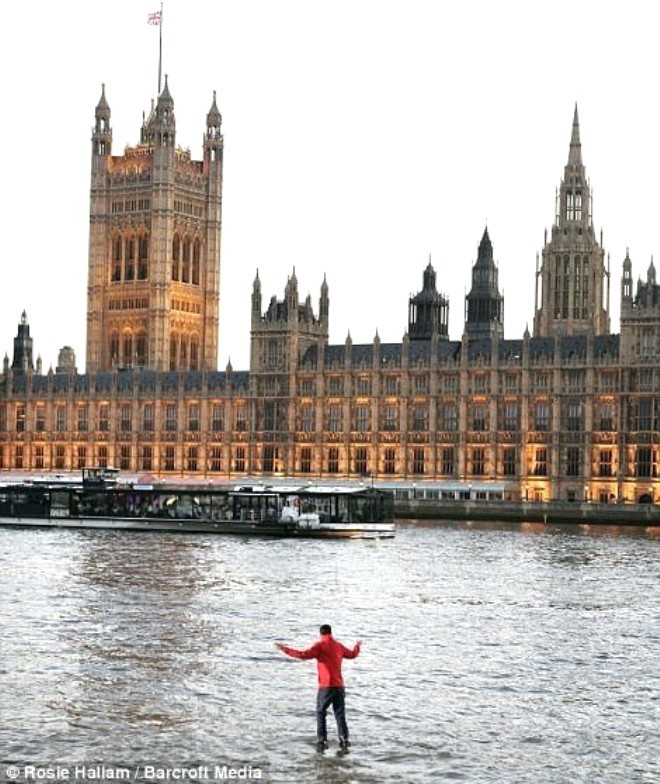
(575, 150)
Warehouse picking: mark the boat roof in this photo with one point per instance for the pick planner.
(302, 489)
(69, 482)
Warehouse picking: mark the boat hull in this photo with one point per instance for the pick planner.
(274, 529)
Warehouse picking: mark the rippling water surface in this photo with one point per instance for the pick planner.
(494, 655)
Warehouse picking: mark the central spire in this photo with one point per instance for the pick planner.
(575, 151)
(572, 282)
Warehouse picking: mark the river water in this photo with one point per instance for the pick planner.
(492, 654)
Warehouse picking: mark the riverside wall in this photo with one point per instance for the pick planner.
(528, 512)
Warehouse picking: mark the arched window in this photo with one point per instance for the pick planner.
(127, 350)
(141, 350)
(143, 257)
(176, 256)
(173, 352)
(185, 267)
(114, 348)
(116, 258)
(570, 206)
(197, 252)
(194, 353)
(129, 268)
(577, 262)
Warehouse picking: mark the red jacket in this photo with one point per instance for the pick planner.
(328, 653)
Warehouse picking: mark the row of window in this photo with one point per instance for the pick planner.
(130, 258)
(42, 459)
(571, 287)
(129, 350)
(125, 418)
(574, 205)
(573, 381)
(646, 463)
(478, 417)
(643, 415)
(646, 342)
(186, 258)
(188, 208)
(130, 205)
(128, 303)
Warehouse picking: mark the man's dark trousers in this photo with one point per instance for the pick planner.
(327, 696)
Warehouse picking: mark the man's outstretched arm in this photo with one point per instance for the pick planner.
(355, 651)
(310, 653)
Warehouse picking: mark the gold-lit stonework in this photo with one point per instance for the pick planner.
(568, 413)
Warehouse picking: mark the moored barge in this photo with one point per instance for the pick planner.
(99, 500)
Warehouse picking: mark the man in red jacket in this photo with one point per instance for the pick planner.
(329, 654)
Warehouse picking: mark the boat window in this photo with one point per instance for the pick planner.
(343, 515)
(31, 502)
(256, 508)
(59, 503)
(94, 504)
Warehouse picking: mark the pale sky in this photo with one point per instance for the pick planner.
(361, 136)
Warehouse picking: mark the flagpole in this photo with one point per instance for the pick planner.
(160, 47)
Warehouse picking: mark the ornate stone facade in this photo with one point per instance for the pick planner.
(569, 413)
(154, 246)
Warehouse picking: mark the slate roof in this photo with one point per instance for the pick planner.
(605, 347)
(540, 349)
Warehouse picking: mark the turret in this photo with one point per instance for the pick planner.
(159, 129)
(256, 301)
(324, 305)
(22, 361)
(102, 132)
(291, 294)
(428, 311)
(626, 283)
(66, 361)
(484, 305)
(213, 141)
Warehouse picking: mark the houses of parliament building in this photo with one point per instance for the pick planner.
(570, 412)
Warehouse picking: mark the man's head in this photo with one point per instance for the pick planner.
(325, 629)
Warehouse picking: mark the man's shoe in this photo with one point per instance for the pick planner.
(344, 744)
(321, 746)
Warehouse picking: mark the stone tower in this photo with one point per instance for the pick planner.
(279, 339)
(574, 284)
(22, 360)
(428, 311)
(154, 246)
(640, 318)
(484, 305)
(282, 335)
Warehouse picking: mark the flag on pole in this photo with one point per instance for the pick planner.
(154, 18)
